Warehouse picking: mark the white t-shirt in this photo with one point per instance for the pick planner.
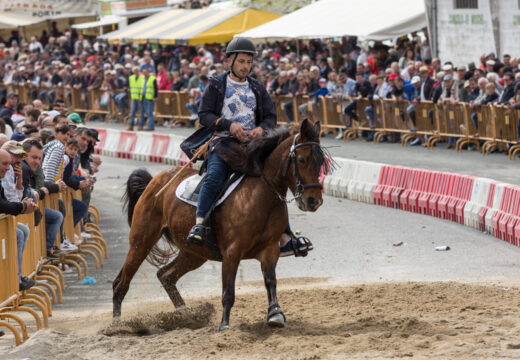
(239, 103)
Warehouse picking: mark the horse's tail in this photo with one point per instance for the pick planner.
(135, 185)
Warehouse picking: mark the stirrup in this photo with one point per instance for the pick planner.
(197, 234)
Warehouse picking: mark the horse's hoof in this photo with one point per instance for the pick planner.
(277, 320)
(223, 328)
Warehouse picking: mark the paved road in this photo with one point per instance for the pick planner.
(353, 241)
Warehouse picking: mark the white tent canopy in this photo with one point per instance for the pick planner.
(369, 19)
(12, 20)
(105, 20)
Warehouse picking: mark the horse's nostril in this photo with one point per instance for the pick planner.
(312, 202)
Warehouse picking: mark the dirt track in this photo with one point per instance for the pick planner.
(399, 320)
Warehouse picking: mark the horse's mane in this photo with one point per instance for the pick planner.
(249, 158)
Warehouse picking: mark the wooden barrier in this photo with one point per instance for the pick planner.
(37, 267)
(497, 125)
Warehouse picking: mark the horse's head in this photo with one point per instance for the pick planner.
(305, 159)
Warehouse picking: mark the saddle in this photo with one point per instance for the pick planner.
(188, 190)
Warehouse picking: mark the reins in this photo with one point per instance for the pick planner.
(291, 158)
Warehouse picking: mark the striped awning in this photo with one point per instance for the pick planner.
(191, 27)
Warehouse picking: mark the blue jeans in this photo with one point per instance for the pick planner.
(192, 108)
(133, 109)
(53, 221)
(474, 118)
(350, 110)
(288, 106)
(121, 101)
(147, 107)
(410, 110)
(217, 171)
(369, 111)
(79, 209)
(22, 234)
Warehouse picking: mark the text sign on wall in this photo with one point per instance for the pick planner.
(45, 8)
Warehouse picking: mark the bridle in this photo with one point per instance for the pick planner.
(291, 158)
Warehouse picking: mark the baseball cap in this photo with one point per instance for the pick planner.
(14, 147)
(392, 76)
(424, 69)
(74, 117)
(53, 113)
(416, 79)
(447, 67)
(128, 65)
(322, 80)
(490, 62)
(11, 94)
(448, 77)
(18, 136)
(94, 133)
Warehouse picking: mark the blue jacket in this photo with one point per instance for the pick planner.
(322, 92)
(408, 90)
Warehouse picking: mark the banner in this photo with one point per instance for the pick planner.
(48, 8)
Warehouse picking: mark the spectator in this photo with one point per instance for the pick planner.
(36, 189)
(53, 161)
(16, 207)
(363, 89)
(149, 94)
(136, 83)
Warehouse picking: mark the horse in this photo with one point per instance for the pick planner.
(248, 224)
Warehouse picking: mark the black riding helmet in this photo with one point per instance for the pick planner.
(239, 45)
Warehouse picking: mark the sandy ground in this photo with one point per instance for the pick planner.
(378, 321)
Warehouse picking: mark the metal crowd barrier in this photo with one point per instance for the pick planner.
(50, 282)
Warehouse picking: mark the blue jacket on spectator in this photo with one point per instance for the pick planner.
(408, 90)
(321, 91)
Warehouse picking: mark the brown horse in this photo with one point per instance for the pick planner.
(248, 224)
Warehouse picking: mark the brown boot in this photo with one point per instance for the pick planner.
(130, 128)
(139, 128)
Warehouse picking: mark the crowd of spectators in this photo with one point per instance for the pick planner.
(44, 152)
(133, 75)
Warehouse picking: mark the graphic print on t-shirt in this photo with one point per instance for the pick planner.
(239, 103)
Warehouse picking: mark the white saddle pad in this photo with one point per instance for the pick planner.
(188, 186)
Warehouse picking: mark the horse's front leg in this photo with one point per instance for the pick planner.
(229, 272)
(268, 260)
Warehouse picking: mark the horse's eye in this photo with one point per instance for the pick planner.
(301, 160)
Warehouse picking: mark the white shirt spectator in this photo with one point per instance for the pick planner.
(9, 184)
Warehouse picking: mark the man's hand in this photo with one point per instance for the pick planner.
(83, 185)
(36, 195)
(257, 132)
(238, 131)
(30, 205)
(17, 168)
(61, 185)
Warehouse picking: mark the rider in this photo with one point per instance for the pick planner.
(237, 105)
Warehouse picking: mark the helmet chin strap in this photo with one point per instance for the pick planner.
(233, 70)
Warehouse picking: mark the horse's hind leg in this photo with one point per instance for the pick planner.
(144, 233)
(268, 260)
(171, 273)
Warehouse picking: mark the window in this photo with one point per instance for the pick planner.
(467, 4)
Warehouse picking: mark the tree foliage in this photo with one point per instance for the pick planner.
(276, 6)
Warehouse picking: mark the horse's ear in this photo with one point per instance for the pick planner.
(317, 126)
(308, 131)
